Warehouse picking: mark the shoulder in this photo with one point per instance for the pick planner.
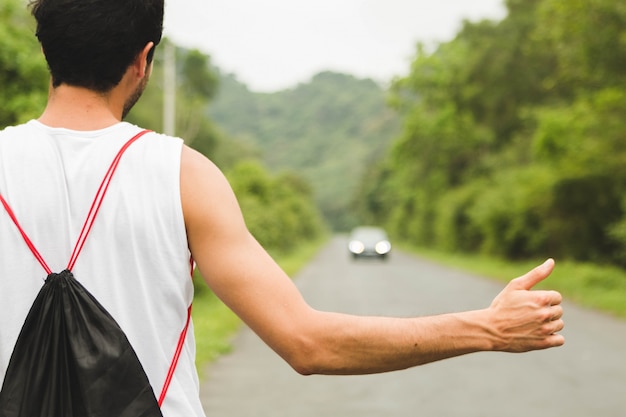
(202, 182)
(127, 130)
(210, 208)
(18, 130)
(152, 149)
(197, 169)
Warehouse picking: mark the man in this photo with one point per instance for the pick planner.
(168, 203)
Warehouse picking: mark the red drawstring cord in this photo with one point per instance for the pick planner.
(174, 363)
(30, 244)
(91, 216)
(179, 347)
(97, 201)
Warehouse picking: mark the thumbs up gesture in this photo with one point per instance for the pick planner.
(524, 319)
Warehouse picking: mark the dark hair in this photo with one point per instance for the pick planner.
(91, 43)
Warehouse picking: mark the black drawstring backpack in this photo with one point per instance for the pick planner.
(71, 358)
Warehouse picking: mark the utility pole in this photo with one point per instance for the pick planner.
(169, 89)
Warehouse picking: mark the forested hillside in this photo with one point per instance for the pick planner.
(514, 137)
(329, 130)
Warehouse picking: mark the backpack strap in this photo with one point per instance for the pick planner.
(30, 244)
(97, 201)
(175, 358)
(91, 216)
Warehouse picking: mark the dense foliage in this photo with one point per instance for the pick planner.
(329, 130)
(23, 73)
(278, 209)
(514, 137)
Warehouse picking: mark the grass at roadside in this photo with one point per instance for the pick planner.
(594, 286)
(215, 324)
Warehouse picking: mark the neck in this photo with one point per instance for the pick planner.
(78, 108)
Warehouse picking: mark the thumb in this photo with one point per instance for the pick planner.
(533, 277)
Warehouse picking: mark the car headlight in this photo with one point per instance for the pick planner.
(383, 247)
(356, 247)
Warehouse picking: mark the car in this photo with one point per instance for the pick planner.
(369, 242)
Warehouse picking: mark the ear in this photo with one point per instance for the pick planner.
(140, 65)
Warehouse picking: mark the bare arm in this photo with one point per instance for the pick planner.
(245, 277)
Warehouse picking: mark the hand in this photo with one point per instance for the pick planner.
(526, 319)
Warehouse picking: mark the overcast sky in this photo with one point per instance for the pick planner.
(275, 44)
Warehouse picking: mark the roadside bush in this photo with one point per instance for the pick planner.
(617, 233)
(511, 213)
(454, 228)
(279, 210)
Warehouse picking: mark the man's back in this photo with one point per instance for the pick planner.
(135, 261)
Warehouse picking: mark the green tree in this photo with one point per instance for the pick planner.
(23, 72)
(513, 139)
(584, 143)
(588, 40)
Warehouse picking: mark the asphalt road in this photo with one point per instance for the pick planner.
(584, 378)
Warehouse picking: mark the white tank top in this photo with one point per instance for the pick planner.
(135, 261)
